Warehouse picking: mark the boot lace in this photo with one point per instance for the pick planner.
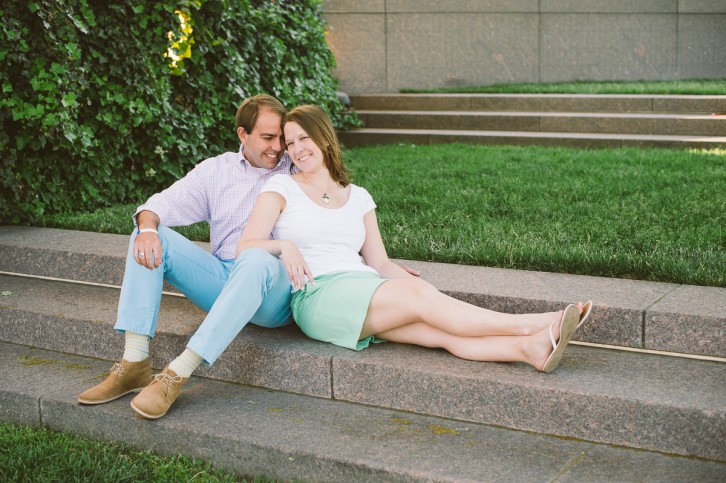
(167, 379)
(117, 369)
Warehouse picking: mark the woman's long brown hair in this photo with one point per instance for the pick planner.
(317, 124)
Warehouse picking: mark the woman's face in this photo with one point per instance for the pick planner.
(306, 155)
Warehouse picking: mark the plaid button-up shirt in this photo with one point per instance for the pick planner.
(221, 191)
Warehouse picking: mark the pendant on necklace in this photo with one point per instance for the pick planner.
(325, 198)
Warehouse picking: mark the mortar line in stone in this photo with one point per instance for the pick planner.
(645, 312)
(570, 464)
(79, 282)
(539, 41)
(678, 38)
(386, 42)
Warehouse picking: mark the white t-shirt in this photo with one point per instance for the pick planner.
(330, 239)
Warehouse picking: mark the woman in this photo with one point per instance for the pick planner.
(322, 225)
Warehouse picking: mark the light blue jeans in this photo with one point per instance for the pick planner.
(254, 288)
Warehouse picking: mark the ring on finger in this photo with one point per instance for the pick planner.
(141, 254)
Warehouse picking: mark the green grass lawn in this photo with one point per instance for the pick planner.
(649, 214)
(29, 454)
(684, 87)
(629, 213)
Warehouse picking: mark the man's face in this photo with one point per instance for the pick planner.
(263, 146)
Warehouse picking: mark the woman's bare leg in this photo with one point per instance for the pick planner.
(533, 349)
(400, 302)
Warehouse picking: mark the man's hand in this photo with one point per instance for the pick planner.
(147, 250)
(147, 245)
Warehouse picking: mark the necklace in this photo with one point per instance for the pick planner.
(324, 198)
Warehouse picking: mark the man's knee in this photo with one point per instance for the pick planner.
(256, 258)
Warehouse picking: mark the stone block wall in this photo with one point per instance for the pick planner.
(385, 45)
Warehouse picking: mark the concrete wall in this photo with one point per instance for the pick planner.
(386, 45)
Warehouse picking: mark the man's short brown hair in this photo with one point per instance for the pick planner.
(249, 110)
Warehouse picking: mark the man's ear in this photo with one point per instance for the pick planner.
(242, 134)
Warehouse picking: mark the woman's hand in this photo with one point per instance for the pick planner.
(410, 271)
(295, 264)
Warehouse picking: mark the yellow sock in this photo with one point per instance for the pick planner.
(186, 363)
(137, 347)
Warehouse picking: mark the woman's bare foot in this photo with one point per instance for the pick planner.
(532, 324)
(541, 344)
(544, 320)
(560, 337)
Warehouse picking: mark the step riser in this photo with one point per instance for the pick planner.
(362, 138)
(482, 102)
(245, 456)
(87, 329)
(617, 326)
(519, 407)
(82, 267)
(492, 122)
(409, 378)
(254, 431)
(66, 254)
(582, 132)
(637, 323)
(249, 362)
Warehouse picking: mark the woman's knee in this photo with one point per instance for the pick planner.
(420, 290)
(410, 295)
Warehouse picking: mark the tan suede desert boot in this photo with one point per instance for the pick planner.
(156, 399)
(125, 377)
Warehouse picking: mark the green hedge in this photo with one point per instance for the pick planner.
(95, 112)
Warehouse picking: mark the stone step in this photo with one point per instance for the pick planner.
(560, 122)
(67, 254)
(629, 313)
(653, 402)
(373, 136)
(260, 432)
(542, 102)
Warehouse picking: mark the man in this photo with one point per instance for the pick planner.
(254, 288)
(222, 191)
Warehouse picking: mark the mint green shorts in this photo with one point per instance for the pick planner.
(334, 309)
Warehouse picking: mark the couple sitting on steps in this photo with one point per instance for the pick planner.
(287, 247)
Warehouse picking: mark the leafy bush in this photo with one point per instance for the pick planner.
(108, 101)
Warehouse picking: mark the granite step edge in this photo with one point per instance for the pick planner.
(570, 122)
(628, 313)
(256, 432)
(580, 102)
(371, 137)
(445, 134)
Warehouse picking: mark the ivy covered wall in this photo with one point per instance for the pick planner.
(108, 101)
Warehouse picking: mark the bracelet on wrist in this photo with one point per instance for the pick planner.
(139, 231)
